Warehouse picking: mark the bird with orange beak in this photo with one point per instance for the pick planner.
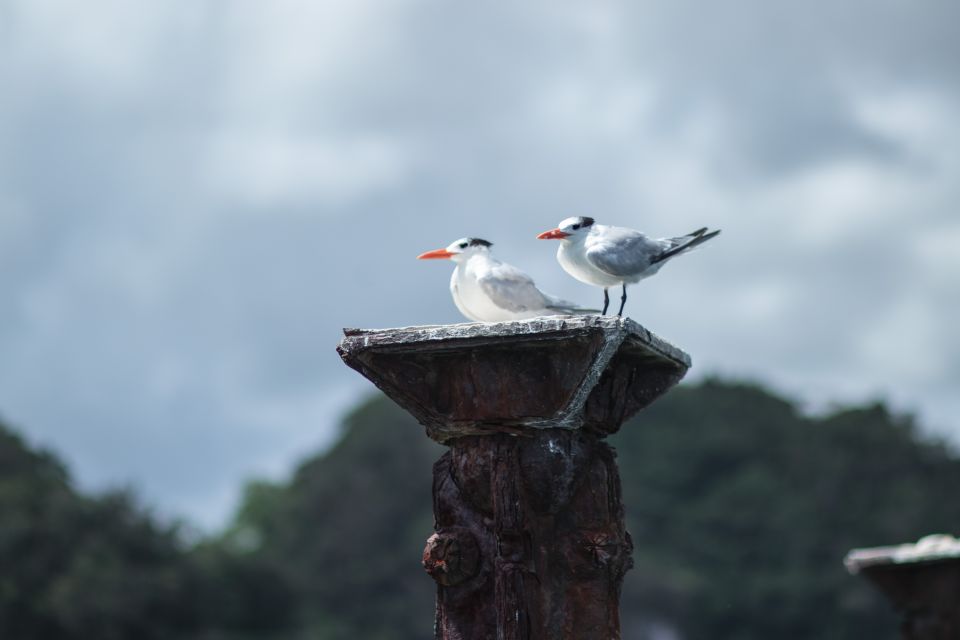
(488, 290)
(605, 256)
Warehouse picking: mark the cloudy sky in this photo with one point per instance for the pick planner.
(196, 195)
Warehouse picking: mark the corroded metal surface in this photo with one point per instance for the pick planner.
(530, 541)
(545, 511)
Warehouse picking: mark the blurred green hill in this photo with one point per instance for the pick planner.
(740, 506)
(79, 567)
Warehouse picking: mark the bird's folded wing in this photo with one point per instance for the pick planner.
(512, 289)
(553, 302)
(624, 253)
(559, 304)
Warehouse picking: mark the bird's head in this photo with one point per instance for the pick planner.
(569, 229)
(458, 251)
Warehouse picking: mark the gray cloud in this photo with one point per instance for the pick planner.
(196, 196)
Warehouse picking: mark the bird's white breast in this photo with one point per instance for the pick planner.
(470, 298)
(456, 290)
(572, 256)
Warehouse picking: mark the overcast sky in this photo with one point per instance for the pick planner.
(196, 195)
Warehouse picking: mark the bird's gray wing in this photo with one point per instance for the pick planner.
(512, 289)
(624, 252)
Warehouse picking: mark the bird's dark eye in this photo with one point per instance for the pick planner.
(463, 245)
(576, 226)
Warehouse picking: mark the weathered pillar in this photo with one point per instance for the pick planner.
(530, 541)
(922, 581)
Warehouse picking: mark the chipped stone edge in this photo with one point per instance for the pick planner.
(399, 336)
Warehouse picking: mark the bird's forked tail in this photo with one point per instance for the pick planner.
(682, 244)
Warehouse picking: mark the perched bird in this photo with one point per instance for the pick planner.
(487, 290)
(607, 256)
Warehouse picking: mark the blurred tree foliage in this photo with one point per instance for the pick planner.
(741, 508)
(101, 568)
(75, 567)
(347, 532)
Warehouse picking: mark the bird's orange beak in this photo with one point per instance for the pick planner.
(436, 254)
(553, 234)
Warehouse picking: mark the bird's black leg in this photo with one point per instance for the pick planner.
(623, 300)
(606, 302)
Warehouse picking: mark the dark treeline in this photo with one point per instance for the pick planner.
(741, 509)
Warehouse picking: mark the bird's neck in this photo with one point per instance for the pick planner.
(478, 258)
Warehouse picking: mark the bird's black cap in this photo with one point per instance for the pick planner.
(479, 242)
(585, 221)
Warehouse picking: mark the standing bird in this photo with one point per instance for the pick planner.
(487, 290)
(606, 256)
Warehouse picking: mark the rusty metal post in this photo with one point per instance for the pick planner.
(922, 581)
(530, 542)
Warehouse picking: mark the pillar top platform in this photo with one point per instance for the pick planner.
(929, 549)
(574, 372)
(921, 579)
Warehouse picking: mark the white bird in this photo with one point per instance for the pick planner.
(607, 256)
(487, 290)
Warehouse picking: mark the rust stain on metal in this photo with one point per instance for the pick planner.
(451, 556)
(552, 560)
